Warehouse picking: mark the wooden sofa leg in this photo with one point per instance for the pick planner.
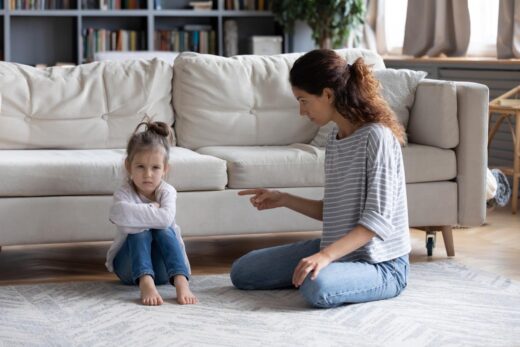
(447, 235)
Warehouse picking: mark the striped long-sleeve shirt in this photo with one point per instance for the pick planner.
(365, 185)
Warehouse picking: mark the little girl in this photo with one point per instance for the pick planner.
(149, 249)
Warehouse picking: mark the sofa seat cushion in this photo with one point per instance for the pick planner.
(91, 172)
(428, 164)
(297, 165)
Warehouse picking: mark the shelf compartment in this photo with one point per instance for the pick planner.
(44, 13)
(43, 5)
(114, 13)
(249, 26)
(186, 34)
(180, 5)
(246, 13)
(113, 34)
(114, 5)
(38, 40)
(185, 13)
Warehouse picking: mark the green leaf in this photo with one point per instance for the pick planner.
(333, 19)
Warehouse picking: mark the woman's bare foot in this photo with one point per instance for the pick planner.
(149, 294)
(184, 294)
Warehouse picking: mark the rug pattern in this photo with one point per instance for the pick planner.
(445, 304)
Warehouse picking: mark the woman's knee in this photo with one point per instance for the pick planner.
(237, 274)
(241, 272)
(316, 292)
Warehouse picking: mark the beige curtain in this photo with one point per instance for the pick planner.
(374, 28)
(436, 27)
(508, 36)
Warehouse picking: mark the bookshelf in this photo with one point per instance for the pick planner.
(43, 34)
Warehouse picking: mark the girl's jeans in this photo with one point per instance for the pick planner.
(338, 283)
(155, 252)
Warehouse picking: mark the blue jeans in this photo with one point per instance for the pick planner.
(338, 283)
(155, 252)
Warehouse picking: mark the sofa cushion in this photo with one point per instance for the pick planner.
(398, 88)
(95, 105)
(433, 119)
(297, 165)
(428, 164)
(241, 101)
(92, 172)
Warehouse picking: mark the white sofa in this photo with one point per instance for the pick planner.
(63, 133)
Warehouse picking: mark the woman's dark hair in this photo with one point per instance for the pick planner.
(155, 135)
(356, 90)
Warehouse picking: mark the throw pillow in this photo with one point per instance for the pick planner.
(397, 88)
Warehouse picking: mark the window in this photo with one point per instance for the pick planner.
(395, 21)
(483, 15)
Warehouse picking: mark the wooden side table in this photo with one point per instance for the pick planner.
(507, 106)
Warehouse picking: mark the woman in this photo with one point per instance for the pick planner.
(363, 252)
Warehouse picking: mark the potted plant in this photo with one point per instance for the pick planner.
(331, 21)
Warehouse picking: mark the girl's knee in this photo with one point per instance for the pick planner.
(138, 236)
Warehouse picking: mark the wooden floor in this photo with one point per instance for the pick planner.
(493, 247)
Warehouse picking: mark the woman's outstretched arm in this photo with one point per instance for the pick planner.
(264, 199)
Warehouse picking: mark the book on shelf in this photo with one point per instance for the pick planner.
(40, 4)
(179, 40)
(99, 40)
(201, 5)
(197, 27)
(112, 4)
(248, 5)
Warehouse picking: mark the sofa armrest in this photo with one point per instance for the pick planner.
(472, 110)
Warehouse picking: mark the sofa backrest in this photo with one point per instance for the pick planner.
(242, 100)
(95, 105)
(165, 56)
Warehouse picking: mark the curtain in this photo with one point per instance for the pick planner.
(437, 27)
(374, 27)
(508, 35)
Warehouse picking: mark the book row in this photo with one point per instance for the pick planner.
(249, 5)
(202, 40)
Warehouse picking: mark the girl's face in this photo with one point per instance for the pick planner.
(319, 109)
(146, 171)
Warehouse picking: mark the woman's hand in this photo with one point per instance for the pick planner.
(313, 264)
(264, 199)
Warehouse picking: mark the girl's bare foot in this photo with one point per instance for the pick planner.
(149, 294)
(184, 294)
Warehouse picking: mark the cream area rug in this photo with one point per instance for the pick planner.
(445, 304)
